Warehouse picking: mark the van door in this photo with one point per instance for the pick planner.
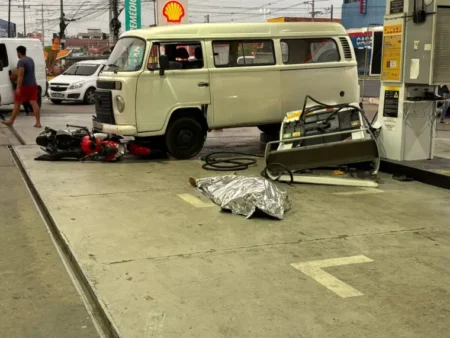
(245, 83)
(184, 85)
(6, 89)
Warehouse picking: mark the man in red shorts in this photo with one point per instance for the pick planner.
(27, 90)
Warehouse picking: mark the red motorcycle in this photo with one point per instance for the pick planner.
(83, 145)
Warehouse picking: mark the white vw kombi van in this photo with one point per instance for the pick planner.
(178, 82)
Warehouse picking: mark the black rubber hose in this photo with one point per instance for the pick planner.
(374, 118)
(265, 172)
(226, 161)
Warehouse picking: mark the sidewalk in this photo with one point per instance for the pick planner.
(38, 299)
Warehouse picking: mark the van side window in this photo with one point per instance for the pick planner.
(182, 55)
(299, 51)
(3, 55)
(243, 53)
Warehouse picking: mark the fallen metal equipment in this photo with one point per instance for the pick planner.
(321, 136)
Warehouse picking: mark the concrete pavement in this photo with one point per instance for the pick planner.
(162, 266)
(166, 267)
(38, 298)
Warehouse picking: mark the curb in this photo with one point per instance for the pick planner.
(421, 175)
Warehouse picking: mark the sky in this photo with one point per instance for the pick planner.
(94, 13)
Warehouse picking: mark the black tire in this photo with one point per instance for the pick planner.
(185, 138)
(56, 101)
(89, 96)
(272, 129)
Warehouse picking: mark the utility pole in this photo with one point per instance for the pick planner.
(207, 18)
(313, 8)
(264, 12)
(111, 39)
(9, 19)
(62, 24)
(155, 10)
(24, 20)
(115, 23)
(331, 11)
(42, 24)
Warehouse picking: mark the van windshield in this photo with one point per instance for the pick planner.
(127, 56)
(82, 70)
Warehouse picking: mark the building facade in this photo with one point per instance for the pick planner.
(4, 29)
(93, 34)
(300, 19)
(363, 13)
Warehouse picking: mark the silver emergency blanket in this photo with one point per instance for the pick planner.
(244, 195)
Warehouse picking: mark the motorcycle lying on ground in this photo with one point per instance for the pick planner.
(81, 144)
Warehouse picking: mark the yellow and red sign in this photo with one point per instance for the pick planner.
(173, 11)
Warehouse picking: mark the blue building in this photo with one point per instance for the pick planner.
(363, 13)
(4, 29)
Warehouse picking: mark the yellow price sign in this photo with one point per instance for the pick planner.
(393, 29)
(392, 53)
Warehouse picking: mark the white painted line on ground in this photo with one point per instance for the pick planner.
(195, 201)
(154, 325)
(314, 270)
(364, 191)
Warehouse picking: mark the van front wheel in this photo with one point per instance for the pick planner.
(184, 138)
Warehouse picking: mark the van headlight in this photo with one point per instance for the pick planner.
(76, 85)
(120, 103)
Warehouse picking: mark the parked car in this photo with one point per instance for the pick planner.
(78, 83)
(8, 63)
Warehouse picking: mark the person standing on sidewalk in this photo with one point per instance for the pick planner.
(444, 91)
(26, 90)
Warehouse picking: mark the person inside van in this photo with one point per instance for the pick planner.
(171, 52)
(27, 89)
(198, 61)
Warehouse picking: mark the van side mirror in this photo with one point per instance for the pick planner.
(1, 66)
(163, 64)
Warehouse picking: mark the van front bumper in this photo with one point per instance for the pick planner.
(121, 130)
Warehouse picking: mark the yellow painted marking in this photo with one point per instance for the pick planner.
(195, 201)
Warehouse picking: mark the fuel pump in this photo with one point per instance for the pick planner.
(416, 59)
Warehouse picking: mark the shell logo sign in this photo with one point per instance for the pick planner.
(173, 11)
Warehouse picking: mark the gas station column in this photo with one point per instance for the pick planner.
(415, 60)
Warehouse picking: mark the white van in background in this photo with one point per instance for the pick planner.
(151, 91)
(8, 62)
(78, 83)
